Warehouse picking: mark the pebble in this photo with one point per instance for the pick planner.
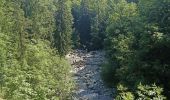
(86, 70)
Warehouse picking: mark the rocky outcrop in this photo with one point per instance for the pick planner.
(86, 68)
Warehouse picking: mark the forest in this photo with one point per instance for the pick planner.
(36, 35)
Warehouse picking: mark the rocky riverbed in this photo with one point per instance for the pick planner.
(86, 69)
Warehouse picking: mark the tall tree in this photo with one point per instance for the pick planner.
(84, 24)
(98, 25)
(62, 36)
(39, 17)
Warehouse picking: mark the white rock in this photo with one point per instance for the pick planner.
(87, 75)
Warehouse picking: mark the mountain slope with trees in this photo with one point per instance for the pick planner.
(135, 35)
(30, 68)
(35, 36)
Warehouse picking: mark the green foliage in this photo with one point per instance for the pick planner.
(149, 92)
(134, 33)
(108, 73)
(30, 69)
(40, 18)
(120, 40)
(62, 36)
(141, 92)
(84, 24)
(90, 18)
(98, 24)
(43, 76)
(137, 45)
(123, 93)
(76, 40)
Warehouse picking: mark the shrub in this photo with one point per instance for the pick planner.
(124, 94)
(141, 92)
(146, 92)
(108, 73)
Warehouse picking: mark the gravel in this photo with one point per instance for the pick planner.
(86, 69)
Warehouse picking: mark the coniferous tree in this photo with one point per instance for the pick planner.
(62, 36)
(84, 25)
(98, 25)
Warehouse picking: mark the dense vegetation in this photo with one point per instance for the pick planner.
(30, 68)
(35, 35)
(138, 45)
(135, 36)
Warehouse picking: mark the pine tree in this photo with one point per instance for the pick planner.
(62, 36)
(84, 24)
(40, 19)
(98, 25)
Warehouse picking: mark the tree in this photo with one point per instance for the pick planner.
(62, 36)
(84, 24)
(98, 25)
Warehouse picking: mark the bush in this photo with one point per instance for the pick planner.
(124, 94)
(146, 92)
(141, 92)
(108, 74)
